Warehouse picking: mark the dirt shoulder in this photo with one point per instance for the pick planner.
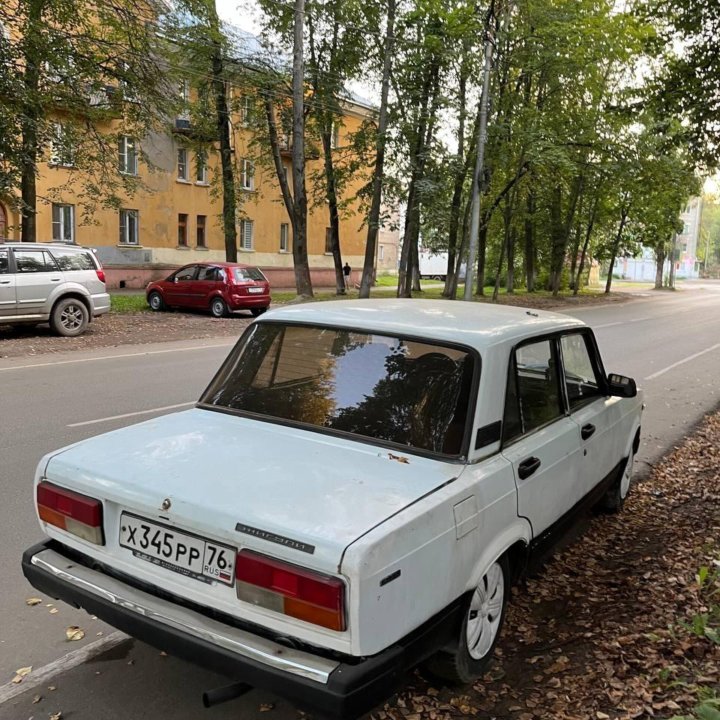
(624, 623)
(137, 328)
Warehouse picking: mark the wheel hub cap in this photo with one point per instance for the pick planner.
(485, 613)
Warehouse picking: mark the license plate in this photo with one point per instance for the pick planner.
(255, 290)
(169, 548)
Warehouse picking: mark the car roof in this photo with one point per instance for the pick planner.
(474, 324)
(48, 245)
(224, 264)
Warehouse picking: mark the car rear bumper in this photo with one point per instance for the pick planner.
(100, 304)
(322, 684)
(241, 302)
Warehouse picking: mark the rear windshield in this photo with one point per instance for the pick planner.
(73, 260)
(406, 392)
(251, 273)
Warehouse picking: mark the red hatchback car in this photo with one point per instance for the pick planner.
(220, 287)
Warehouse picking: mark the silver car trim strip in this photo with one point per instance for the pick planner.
(253, 647)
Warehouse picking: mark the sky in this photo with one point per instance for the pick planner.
(239, 12)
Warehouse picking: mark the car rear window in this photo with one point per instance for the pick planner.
(406, 392)
(245, 274)
(73, 260)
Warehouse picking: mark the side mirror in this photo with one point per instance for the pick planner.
(621, 386)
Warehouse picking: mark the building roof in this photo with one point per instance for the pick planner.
(477, 325)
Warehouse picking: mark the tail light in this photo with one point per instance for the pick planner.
(101, 274)
(294, 591)
(70, 511)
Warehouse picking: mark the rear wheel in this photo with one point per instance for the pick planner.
(256, 312)
(614, 499)
(480, 630)
(155, 301)
(218, 308)
(69, 317)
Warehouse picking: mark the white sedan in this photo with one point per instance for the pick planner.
(353, 494)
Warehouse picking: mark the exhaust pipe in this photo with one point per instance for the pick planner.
(224, 694)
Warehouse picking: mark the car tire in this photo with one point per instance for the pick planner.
(69, 317)
(155, 301)
(614, 498)
(256, 312)
(480, 631)
(218, 307)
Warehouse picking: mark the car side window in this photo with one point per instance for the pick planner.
(581, 379)
(31, 261)
(533, 393)
(187, 273)
(69, 260)
(4, 262)
(209, 274)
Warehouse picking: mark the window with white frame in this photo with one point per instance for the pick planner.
(335, 136)
(201, 174)
(247, 174)
(61, 149)
(247, 240)
(129, 225)
(63, 223)
(284, 236)
(182, 164)
(184, 91)
(245, 110)
(382, 252)
(127, 155)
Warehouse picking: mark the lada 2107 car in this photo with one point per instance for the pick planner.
(353, 494)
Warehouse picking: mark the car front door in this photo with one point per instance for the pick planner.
(37, 276)
(179, 291)
(598, 417)
(8, 300)
(539, 439)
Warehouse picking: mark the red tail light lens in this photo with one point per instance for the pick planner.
(70, 511)
(101, 275)
(294, 591)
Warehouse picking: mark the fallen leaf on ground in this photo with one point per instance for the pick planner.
(74, 633)
(266, 707)
(53, 611)
(36, 699)
(56, 716)
(20, 673)
(33, 601)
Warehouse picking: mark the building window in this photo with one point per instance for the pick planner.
(284, 235)
(245, 108)
(129, 222)
(127, 156)
(686, 228)
(63, 223)
(61, 150)
(182, 165)
(328, 241)
(184, 92)
(246, 235)
(247, 175)
(382, 252)
(201, 175)
(182, 229)
(335, 136)
(200, 233)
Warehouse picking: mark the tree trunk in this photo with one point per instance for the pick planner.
(462, 252)
(616, 247)
(586, 245)
(482, 246)
(530, 250)
(331, 194)
(374, 217)
(660, 256)
(510, 241)
(673, 260)
(226, 159)
(415, 263)
(32, 115)
(557, 252)
(303, 283)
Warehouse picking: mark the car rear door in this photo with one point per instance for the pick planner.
(38, 275)
(539, 439)
(597, 416)
(8, 300)
(179, 292)
(208, 282)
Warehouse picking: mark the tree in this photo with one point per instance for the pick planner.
(77, 76)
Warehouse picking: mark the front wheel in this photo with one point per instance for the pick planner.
(218, 308)
(480, 630)
(69, 317)
(256, 312)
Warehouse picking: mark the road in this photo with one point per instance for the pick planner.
(669, 342)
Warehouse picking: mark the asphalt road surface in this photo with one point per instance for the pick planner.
(669, 342)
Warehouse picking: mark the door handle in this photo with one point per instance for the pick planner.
(587, 430)
(55, 279)
(4, 282)
(527, 467)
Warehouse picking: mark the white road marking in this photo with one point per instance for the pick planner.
(43, 675)
(680, 362)
(114, 357)
(604, 325)
(132, 414)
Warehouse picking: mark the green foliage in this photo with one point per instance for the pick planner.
(128, 303)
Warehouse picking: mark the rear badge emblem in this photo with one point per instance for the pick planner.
(166, 503)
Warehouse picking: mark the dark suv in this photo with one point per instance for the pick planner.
(56, 283)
